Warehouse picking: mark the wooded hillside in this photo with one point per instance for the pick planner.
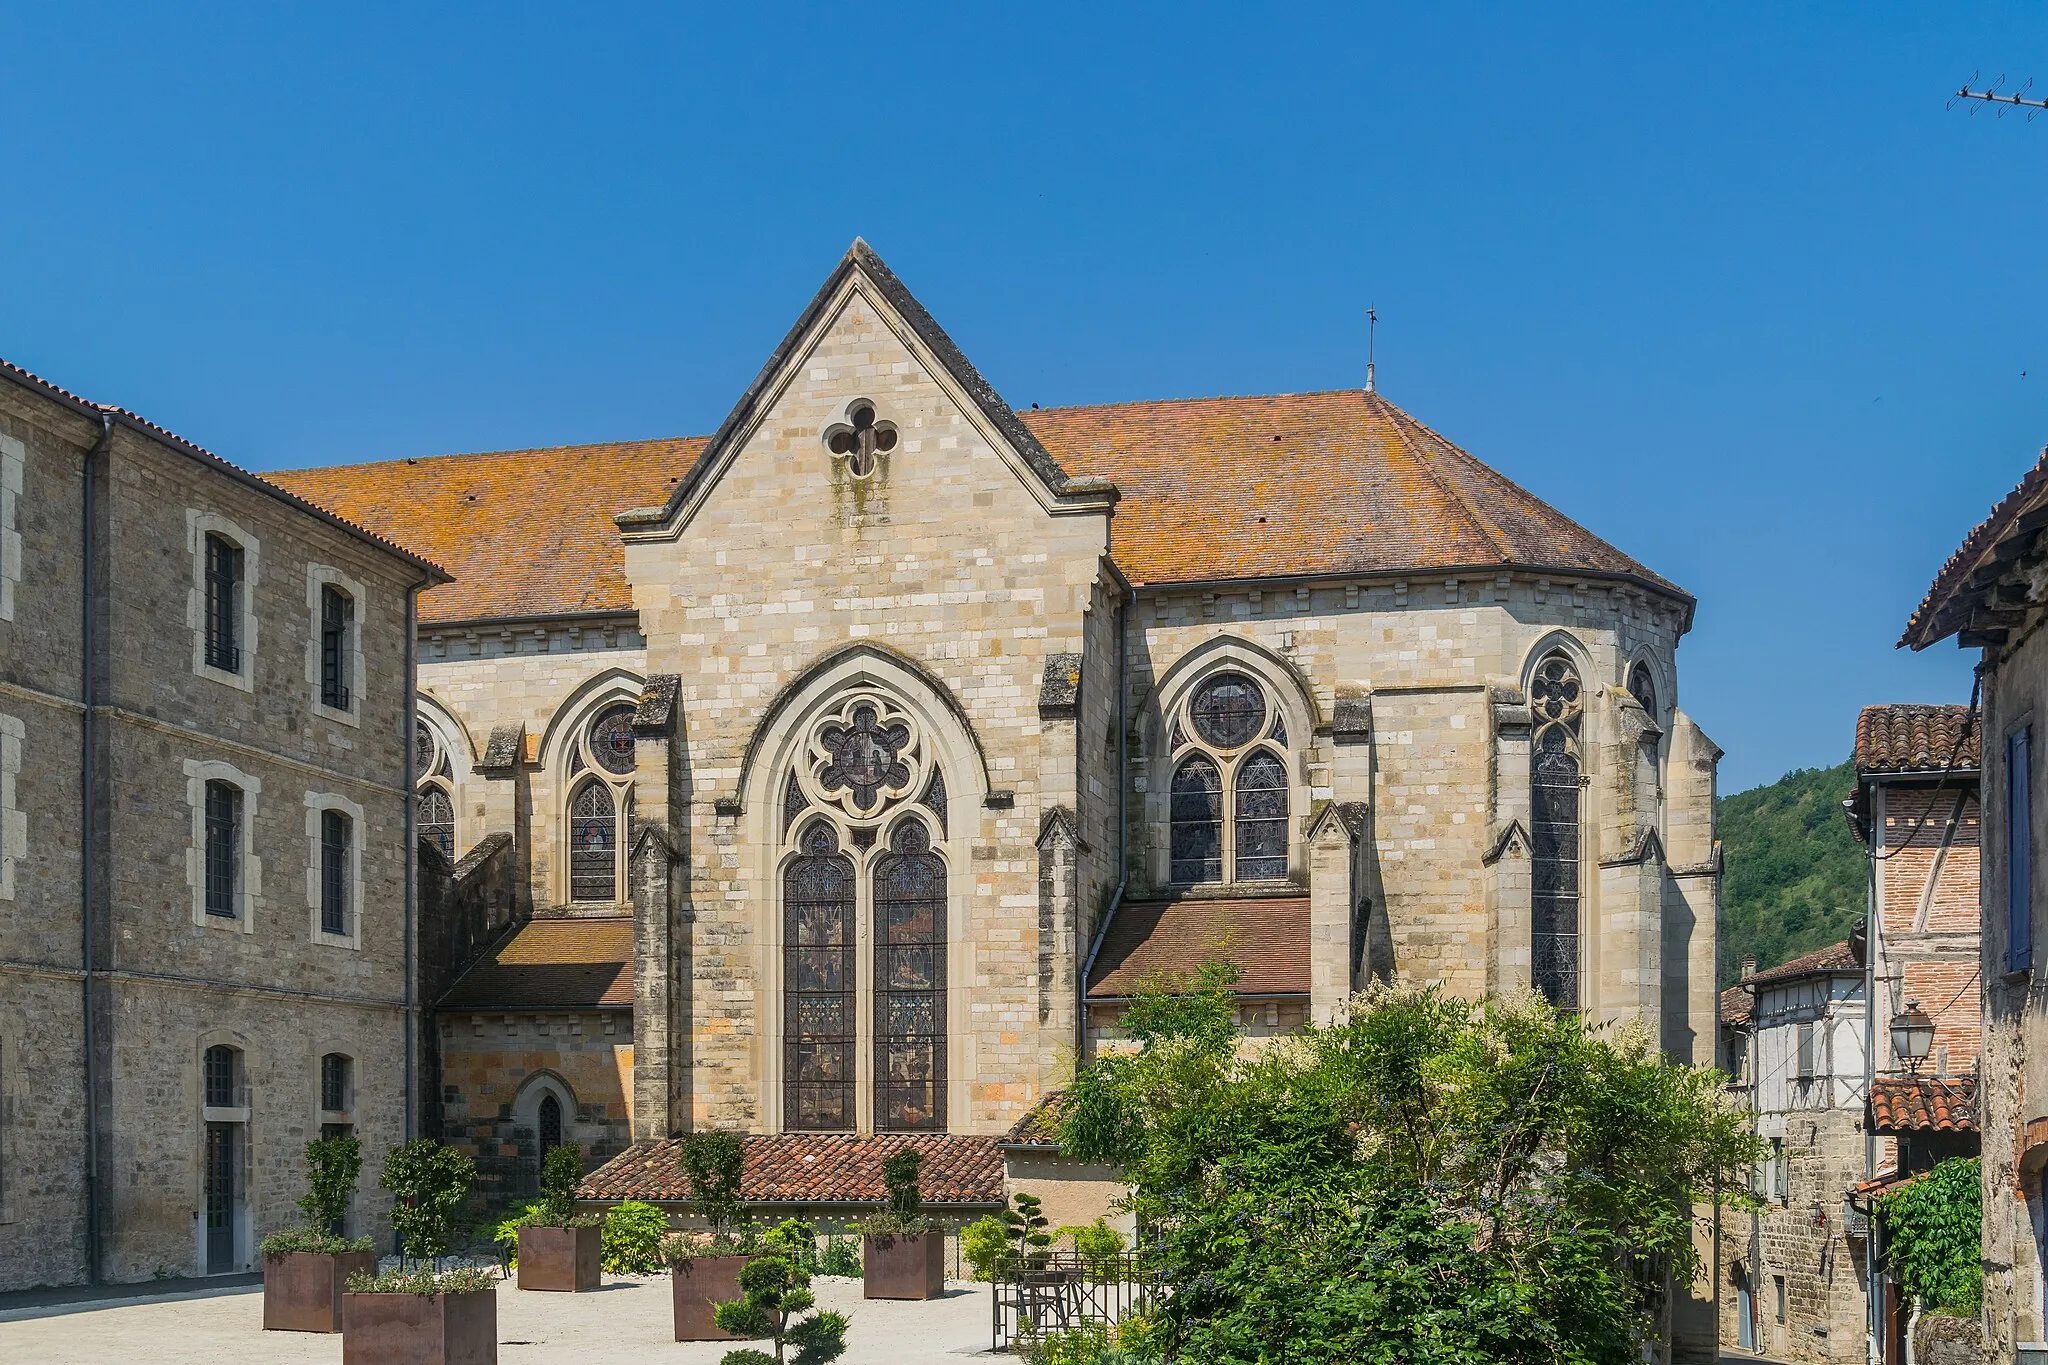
(1793, 874)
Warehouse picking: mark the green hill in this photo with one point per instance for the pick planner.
(1793, 876)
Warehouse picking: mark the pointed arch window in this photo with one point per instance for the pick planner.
(818, 946)
(1557, 701)
(1644, 689)
(433, 788)
(601, 760)
(1228, 808)
(910, 984)
(550, 1126)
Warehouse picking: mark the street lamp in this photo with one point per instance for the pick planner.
(1912, 1035)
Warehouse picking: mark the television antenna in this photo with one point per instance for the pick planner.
(1990, 95)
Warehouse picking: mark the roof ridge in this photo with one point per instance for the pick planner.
(447, 455)
(1486, 526)
(1192, 398)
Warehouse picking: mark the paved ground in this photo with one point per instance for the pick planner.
(626, 1321)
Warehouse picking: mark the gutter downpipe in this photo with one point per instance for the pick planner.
(1873, 1307)
(89, 829)
(412, 851)
(1123, 823)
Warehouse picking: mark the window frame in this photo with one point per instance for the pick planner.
(13, 468)
(320, 805)
(1185, 744)
(201, 529)
(581, 766)
(1566, 722)
(438, 777)
(322, 579)
(13, 819)
(248, 892)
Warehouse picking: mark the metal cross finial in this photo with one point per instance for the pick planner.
(1372, 332)
(861, 442)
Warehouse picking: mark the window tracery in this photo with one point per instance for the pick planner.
(818, 984)
(1556, 698)
(864, 757)
(1643, 688)
(910, 984)
(433, 788)
(1228, 805)
(600, 808)
(860, 440)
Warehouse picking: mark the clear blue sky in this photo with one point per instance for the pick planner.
(1726, 284)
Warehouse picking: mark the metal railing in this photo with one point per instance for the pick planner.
(1061, 1290)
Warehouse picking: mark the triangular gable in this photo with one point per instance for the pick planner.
(754, 402)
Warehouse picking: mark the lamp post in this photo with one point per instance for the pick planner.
(1912, 1035)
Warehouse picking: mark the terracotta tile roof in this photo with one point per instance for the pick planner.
(1912, 1104)
(1041, 1126)
(525, 532)
(1884, 1182)
(263, 484)
(1836, 957)
(1267, 937)
(553, 964)
(1312, 483)
(1945, 609)
(812, 1168)
(1916, 739)
(1736, 1004)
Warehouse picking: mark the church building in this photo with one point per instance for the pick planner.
(891, 737)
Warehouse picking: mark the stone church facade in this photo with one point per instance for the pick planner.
(909, 732)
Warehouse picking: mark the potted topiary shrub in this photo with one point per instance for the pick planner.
(559, 1248)
(420, 1312)
(775, 1293)
(306, 1270)
(902, 1255)
(706, 1265)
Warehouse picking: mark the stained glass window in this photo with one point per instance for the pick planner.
(818, 985)
(792, 802)
(1196, 817)
(223, 848)
(611, 740)
(436, 820)
(910, 984)
(1261, 808)
(1228, 711)
(425, 749)
(934, 799)
(865, 757)
(593, 844)
(1554, 799)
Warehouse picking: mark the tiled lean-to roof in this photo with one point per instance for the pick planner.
(812, 1168)
(1913, 1104)
(553, 964)
(1212, 488)
(1836, 957)
(1267, 937)
(1040, 1126)
(1917, 739)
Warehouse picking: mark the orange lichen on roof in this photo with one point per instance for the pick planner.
(1212, 488)
(525, 532)
(1266, 938)
(553, 963)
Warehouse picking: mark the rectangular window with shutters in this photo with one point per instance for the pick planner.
(337, 624)
(1806, 1051)
(336, 838)
(2019, 850)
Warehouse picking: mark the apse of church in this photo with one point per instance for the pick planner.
(912, 732)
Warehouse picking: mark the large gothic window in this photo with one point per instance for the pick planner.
(434, 789)
(1555, 697)
(1227, 808)
(818, 984)
(910, 984)
(600, 785)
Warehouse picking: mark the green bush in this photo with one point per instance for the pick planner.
(420, 1280)
(430, 1182)
(506, 1233)
(1025, 1224)
(841, 1258)
(714, 1163)
(334, 1166)
(903, 1214)
(1097, 1244)
(775, 1296)
(984, 1243)
(561, 1171)
(633, 1234)
(1933, 1228)
(313, 1240)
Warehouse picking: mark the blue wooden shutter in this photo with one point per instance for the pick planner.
(2019, 852)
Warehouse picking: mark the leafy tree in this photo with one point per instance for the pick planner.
(1025, 1224)
(714, 1163)
(775, 1296)
(797, 1240)
(1425, 1180)
(984, 1243)
(561, 1171)
(334, 1166)
(1097, 1244)
(1795, 876)
(430, 1182)
(1933, 1228)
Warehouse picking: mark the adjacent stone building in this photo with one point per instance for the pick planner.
(908, 728)
(1990, 596)
(205, 799)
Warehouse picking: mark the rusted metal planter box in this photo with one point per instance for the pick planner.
(420, 1329)
(700, 1283)
(302, 1289)
(562, 1259)
(903, 1267)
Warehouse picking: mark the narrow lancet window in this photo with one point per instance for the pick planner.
(818, 985)
(1556, 698)
(910, 984)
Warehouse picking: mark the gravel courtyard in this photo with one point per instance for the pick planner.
(627, 1320)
